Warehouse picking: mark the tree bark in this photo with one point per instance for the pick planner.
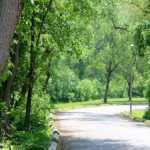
(107, 87)
(31, 78)
(48, 75)
(9, 81)
(48, 72)
(33, 62)
(130, 91)
(81, 68)
(7, 91)
(10, 11)
(109, 72)
(23, 92)
(130, 81)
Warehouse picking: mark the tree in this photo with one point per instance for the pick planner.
(10, 12)
(6, 93)
(63, 37)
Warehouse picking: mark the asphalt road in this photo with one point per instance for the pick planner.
(101, 128)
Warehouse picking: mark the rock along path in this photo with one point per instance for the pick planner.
(100, 128)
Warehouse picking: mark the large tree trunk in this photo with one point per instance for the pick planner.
(10, 11)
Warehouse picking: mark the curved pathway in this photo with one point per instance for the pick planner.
(100, 128)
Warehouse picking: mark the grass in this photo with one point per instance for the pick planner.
(138, 114)
(125, 101)
(98, 102)
(77, 104)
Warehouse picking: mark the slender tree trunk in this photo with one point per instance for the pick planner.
(29, 98)
(130, 91)
(108, 76)
(107, 87)
(31, 78)
(10, 11)
(111, 68)
(7, 91)
(48, 72)
(4, 114)
(33, 62)
(48, 75)
(9, 81)
(81, 68)
(23, 92)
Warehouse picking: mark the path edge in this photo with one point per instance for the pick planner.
(55, 140)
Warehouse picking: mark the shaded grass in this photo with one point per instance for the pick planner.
(98, 102)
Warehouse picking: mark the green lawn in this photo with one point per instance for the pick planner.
(125, 100)
(98, 102)
(77, 104)
(136, 114)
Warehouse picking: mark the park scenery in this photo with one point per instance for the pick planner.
(74, 75)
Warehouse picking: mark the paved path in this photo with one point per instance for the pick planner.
(100, 128)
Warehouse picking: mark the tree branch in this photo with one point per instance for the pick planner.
(43, 20)
(119, 28)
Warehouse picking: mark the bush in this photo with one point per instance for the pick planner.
(117, 89)
(38, 137)
(25, 140)
(147, 115)
(71, 97)
(87, 89)
(147, 93)
(63, 85)
(138, 91)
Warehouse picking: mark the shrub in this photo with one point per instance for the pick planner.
(25, 140)
(38, 137)
(147, 115)
(147, 93)
(87, 89)
(71, 97)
